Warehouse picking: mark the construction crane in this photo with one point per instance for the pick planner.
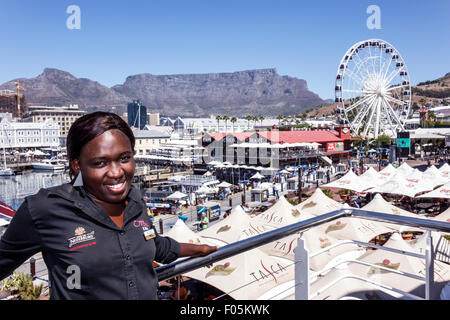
(19, 87)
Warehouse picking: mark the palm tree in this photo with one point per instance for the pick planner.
(226, 118)
(233, 120)
(279, 117)
(248, 118)
(261, 118)
(254, 118)
(218, 118)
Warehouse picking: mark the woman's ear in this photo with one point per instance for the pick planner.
(75, 166)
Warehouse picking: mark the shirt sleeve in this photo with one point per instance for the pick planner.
(19, 242)
(167, 249)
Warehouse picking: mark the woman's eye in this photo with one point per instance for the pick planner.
(99, 164)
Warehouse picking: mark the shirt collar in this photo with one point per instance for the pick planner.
(83, 201)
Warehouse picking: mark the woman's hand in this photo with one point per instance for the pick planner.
(196, 250)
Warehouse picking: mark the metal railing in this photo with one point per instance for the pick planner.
(302, 269)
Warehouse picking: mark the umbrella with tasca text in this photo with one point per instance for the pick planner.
(236, 226)
(400, 262)
(318, 204)
(378, 204)
(246, 276)
(281, 214)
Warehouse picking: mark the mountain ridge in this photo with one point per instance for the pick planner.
(259, 91)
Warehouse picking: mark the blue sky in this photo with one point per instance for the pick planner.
(303, 39)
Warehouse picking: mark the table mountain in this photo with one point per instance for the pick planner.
(261, 92)
(57, 88)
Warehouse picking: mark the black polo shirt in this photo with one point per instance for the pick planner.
(87, 255)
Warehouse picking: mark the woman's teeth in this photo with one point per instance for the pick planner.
(116, 186)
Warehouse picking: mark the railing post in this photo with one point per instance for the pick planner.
(161, 226)
(33, 267)
(429, 265)
(301, 271)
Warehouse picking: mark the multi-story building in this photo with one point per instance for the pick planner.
(204, 125)
(148, 140)
(278, 148)
(8, 103)
(153, 119)
(136, 115)
(63, 116)
(15, 134)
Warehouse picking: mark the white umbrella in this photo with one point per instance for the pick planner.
(224, 184)
(441, 246)
(434, 177)
(353, 228)
(402, 185)
(444, 167)
(203, 189)
(257, 176)
(281, 214)
(400, 262)
(441, 192)
(378, 204)
(318, 204)
(236, 226)
(39, 153)
(181, 233)
(372, 178)
(405, 169)
(443, 216)
(246, 276)
(177, 195)
(349, 181)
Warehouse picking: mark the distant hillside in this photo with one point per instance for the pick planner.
(432, 91)
(261, 92)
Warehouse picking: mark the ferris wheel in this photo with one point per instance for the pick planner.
(373, 90)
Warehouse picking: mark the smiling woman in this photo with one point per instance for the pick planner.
(94, 233)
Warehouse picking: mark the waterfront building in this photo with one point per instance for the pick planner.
(148, 140)
(14, 134)
(63, 116)
(278, 148)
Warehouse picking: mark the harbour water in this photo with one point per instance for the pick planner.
(14, 189)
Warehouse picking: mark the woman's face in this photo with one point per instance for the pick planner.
(107, 166)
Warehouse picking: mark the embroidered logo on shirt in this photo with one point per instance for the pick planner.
(81, 236)
(141, 223)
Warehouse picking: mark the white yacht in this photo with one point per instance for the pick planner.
(6, 172)
(48, 165)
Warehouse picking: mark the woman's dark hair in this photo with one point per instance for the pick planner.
(89, 126)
